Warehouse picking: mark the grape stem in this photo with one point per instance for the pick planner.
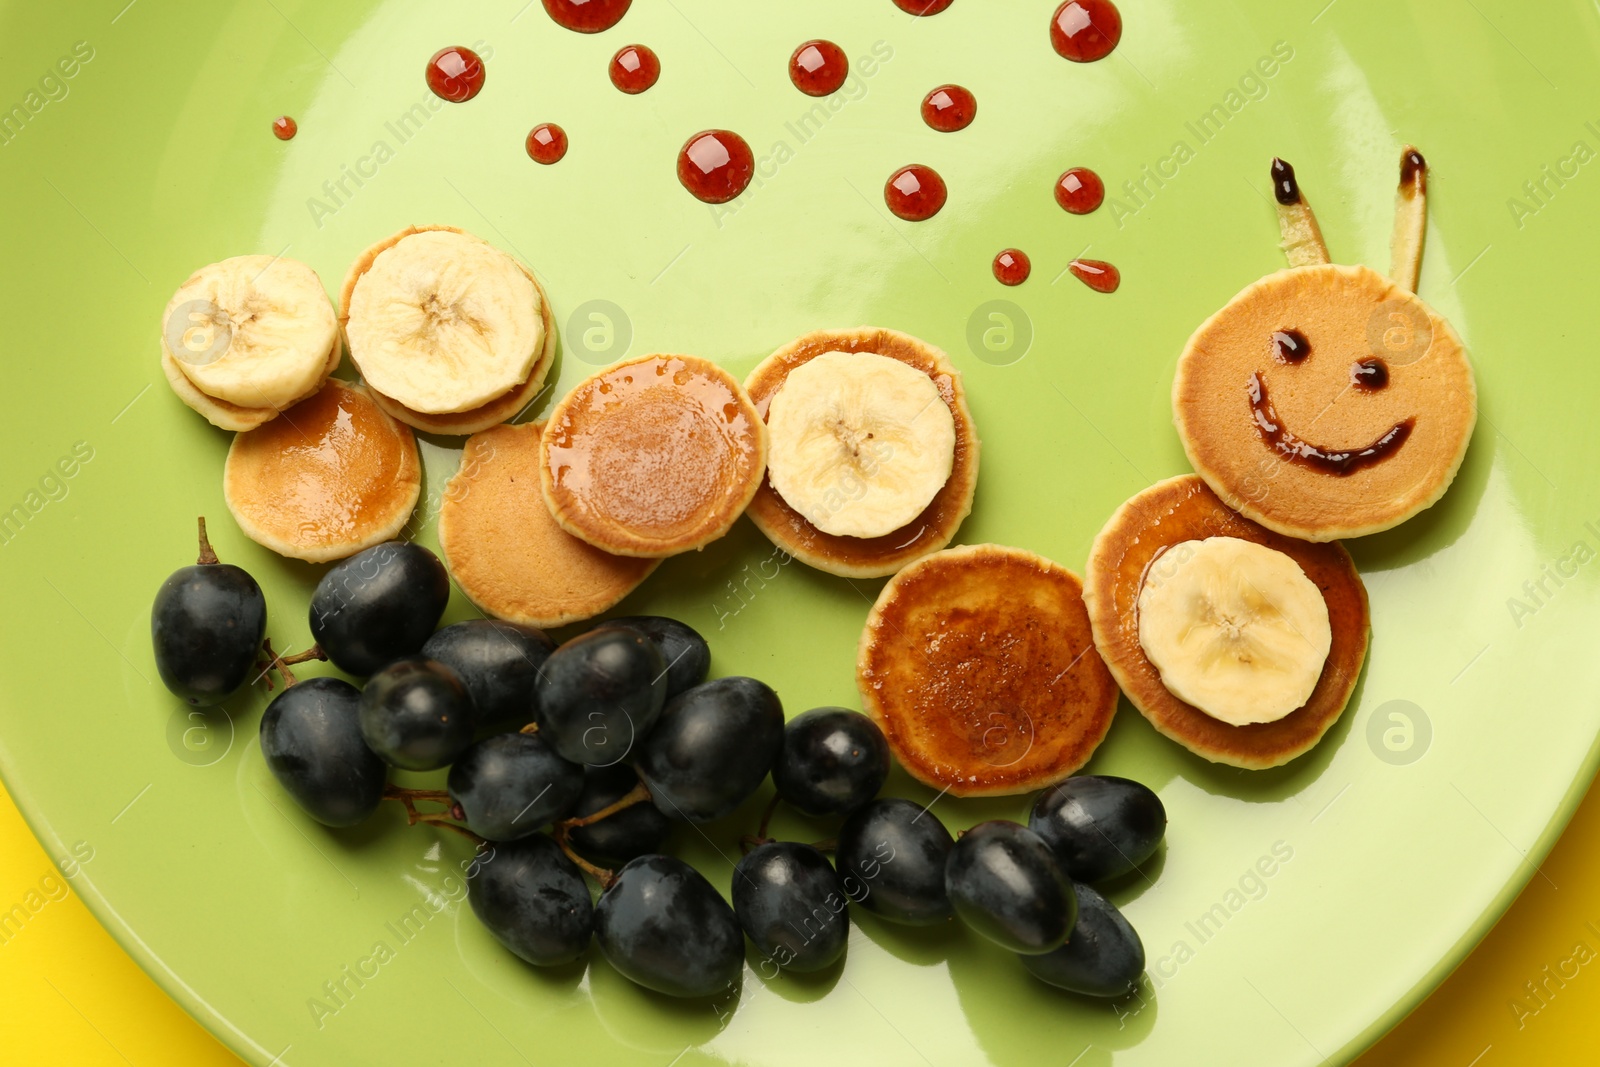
(410, 797)
(637, 795)
(599, 874)
(759, 838)
(208, 555)
(281, 663)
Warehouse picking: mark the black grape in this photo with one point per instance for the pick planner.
(532, 899)
(378, 606)
(206, 626)
(417, 715)
(311, 741)
(499, 664)
(832, 762)
(662, 925)
(687, 656)
(792, 907)
(712, 748)
(509, 785)
(891, 858)
(1103, 956)
(600, 694)
(1099, 826)
(1005, 883)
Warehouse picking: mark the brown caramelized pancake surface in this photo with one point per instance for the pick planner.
(330, 476)
(979, 665)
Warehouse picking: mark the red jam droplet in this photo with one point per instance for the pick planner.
(1097, 274)
(635, 69)
(922, 7)
(455, 74)
(716, 165)
(949, 108)
(818, 68)
(1080, 191)
(1012, 267)
(547, 143)
(587, 16)
(915, 193)
(1086, 30)
(284, 128)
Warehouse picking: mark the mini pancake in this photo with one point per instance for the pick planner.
(979, 666)
(506, 552)
(503, 408)
(226, 416)
(1296, 443)
(653, 457)
(1184, 509)
(331, 477)
(874, 557)
(386, 344)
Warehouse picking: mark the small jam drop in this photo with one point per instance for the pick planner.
(284, 128)
(455, 74)
(818, 68)
(1086, 30)
(587, 16)
(635, 69)
(547, 143)
(1097, 274)
(1080, 191)
(915, 193)
(1290, 346)
(949, 108)
(716, 165)
(922, 7)
(1370, 373)
(1012, 267)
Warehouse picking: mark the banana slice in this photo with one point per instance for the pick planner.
(441, 321)
(253, 331)
(860, 443)
(1235, 628)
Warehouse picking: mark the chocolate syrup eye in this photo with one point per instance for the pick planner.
(1370, 373)
(1290, 346)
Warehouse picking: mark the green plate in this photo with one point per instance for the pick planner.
(1295, 914)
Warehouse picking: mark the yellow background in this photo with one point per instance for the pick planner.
(73, 996)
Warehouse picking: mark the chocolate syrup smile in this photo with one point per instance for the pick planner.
(1294, 449)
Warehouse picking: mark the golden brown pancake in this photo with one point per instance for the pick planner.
(332, 476)
(1184, 509)
(222, 414)
(872, 557)
(493, 411)
(507, 553)
(501, 409)
(1398, 446)
(978, 664)
(653, 457)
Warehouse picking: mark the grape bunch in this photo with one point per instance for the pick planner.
(573, 762)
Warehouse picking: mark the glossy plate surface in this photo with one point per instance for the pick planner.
(1391, 847)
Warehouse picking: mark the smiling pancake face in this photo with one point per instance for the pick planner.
(1325, 402)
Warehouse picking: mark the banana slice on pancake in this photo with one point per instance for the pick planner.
(505, 550)
(980, 666)
(442, 322)
(1234, 627)
(860, 443)
(246, 337)
(333, 476)
(836, 496)
(1239, 636)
